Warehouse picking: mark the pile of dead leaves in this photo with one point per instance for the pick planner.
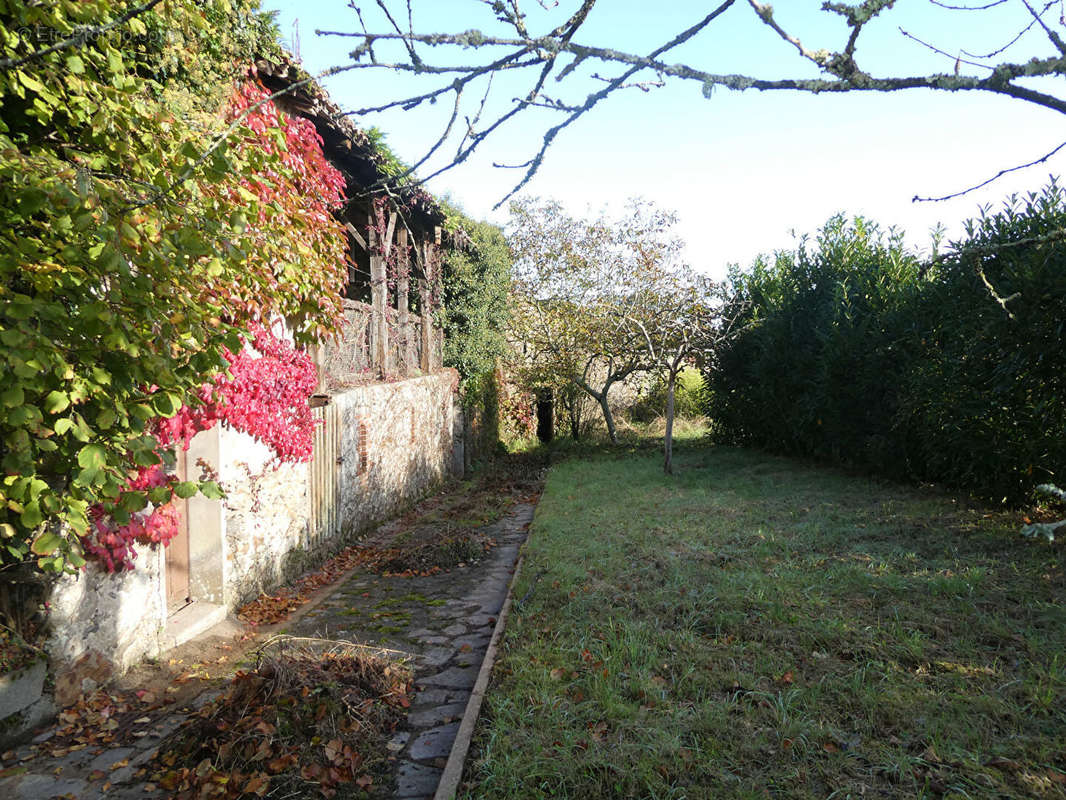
(301, 724)
(431, 557)
(268, 609)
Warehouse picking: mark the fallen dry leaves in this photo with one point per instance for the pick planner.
(417, 560)
(268, 609)
(102, 718)
(301, 723)
(443, 531)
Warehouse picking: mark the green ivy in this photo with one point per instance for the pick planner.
(476, 309)
(118, 233)
(476, 313)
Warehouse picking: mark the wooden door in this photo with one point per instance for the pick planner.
(177, 552)
(325, 474)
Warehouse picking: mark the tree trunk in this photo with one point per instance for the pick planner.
(601, 398)
(668, 438)
(574, 413)
(607, 416)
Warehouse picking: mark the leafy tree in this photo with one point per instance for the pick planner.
(575, 281)
(675, 311)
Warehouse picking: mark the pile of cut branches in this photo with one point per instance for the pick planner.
(302, 723)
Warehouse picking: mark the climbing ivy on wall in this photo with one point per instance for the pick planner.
(263, 393)
(156, 209)
(476, 312)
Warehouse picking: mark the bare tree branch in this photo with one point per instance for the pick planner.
(540, 56)
(1039, 19)
(765, 12)
(997, 176)
(999, 82)
(1013, 41)
(596, 97)
(993, 4)
(957, 59)
(415, 60)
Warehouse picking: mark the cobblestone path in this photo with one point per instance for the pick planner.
(443, 622)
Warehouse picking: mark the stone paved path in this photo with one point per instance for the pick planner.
(444, 622)
(89, 773)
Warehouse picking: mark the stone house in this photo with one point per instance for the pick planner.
(389, 431)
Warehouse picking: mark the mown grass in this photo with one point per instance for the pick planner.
(758, 627)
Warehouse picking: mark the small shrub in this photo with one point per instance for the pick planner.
(15, 653)
(689, 398)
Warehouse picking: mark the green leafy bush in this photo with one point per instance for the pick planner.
(855, 351)
(132, 255)
(689, 398)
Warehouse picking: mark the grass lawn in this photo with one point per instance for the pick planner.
(759, 627)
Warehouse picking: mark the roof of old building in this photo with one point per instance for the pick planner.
(370, 169)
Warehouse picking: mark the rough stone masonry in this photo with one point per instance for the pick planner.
(396, 441)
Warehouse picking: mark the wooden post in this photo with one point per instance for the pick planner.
(403, 263)
(378, 294)
(425, 301)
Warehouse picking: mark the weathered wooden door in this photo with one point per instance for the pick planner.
(325, 475)
(177, 552)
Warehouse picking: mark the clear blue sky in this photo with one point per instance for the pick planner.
(743, 170)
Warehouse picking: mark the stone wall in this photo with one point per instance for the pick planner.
(265, 513)
(118, 616)
(397, 442)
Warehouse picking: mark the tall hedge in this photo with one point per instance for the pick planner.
(853, 350)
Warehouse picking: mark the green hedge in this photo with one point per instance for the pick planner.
(854, 350)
